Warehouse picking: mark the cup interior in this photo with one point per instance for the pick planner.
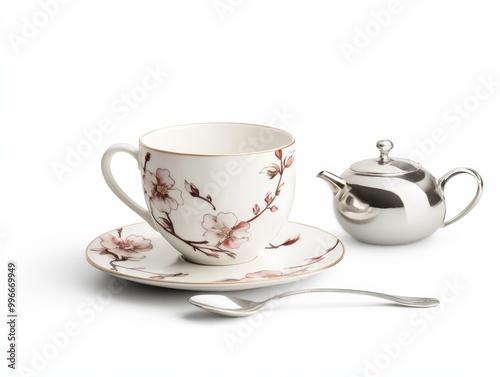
(215, 139)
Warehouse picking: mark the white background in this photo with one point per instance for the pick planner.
(247, 61)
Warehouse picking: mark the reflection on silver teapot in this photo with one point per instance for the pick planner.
(389, 201)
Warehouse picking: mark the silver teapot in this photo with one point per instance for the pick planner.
(390, 201)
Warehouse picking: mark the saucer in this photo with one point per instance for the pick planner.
(138, 253)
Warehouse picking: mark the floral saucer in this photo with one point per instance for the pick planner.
(138, 253)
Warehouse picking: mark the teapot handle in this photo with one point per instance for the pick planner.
(445, 178)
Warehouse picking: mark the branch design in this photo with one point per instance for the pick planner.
(223, 232)
(195, 193)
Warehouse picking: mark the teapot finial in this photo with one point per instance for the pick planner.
(384, 146)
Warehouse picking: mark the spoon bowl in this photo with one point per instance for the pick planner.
(230, 306)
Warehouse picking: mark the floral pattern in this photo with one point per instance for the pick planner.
(195, 193)
(294, 270)
(122, 249)
(264, 274)
(160, 188)
(313, 252)
(225, 230)
(319, 258)
(223, 233)
(287, 242)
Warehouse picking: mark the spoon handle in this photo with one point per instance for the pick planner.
(417, 302)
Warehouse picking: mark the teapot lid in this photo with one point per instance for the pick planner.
(385, 165)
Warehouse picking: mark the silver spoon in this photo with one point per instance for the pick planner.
(237, 307)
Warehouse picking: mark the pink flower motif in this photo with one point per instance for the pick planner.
(264, 274)
(125, 247)
(159, 187)
(225, 230)
(289, 159)
(272, 170)
(268, 274)
(291, 241)
(269, 198)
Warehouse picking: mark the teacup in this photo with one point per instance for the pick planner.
(217, 192)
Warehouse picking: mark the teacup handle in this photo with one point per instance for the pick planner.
(110, 179)
(445, 178)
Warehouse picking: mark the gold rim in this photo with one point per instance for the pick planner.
(171, 284)
(292, 142)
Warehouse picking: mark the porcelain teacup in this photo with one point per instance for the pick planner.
(217, 192)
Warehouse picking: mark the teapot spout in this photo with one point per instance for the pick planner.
(336, 182)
